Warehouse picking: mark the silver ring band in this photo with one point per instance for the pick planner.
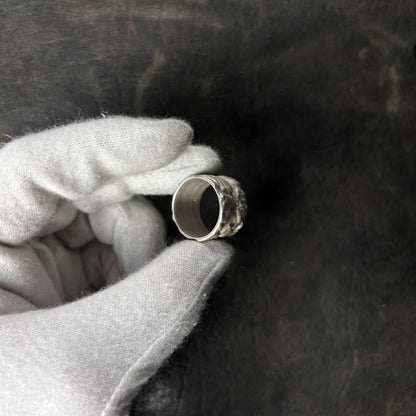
(205, 207)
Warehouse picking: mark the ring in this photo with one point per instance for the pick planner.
(205, 207)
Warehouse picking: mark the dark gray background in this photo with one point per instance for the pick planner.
(312, 107)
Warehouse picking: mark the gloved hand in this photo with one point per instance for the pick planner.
(66, 197)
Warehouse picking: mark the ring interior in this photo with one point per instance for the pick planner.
(187, 208)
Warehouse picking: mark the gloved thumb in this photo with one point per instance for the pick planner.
(90, 357)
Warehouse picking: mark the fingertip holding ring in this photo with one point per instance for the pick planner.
(205, 207)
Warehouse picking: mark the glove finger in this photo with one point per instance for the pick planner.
(172, 290)
(73, 161)
(134, 228)
(96, 352)
(27, 271)
(12, 303)
(165, 180)
(161, 181)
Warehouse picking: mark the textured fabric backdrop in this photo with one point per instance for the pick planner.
(312, 107)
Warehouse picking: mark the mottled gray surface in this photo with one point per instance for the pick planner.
(312, 105)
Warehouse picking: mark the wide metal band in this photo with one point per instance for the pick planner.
(231, 207)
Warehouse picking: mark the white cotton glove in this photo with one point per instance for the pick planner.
(63, 349)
